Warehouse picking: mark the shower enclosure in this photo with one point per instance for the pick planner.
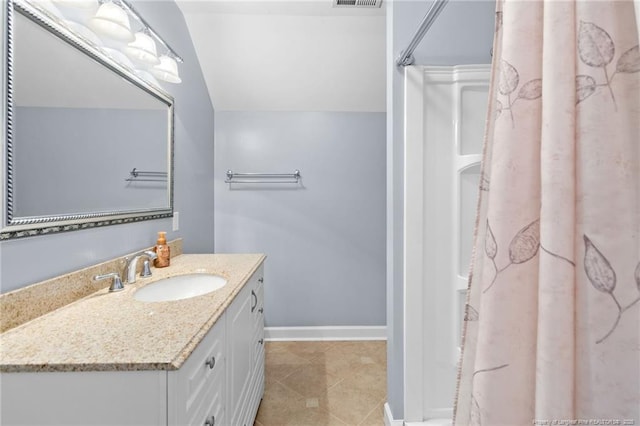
(445, 114)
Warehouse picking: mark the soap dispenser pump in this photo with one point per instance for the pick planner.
(162, 250)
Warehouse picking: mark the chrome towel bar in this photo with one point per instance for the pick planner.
(233, 177)
(136, 175)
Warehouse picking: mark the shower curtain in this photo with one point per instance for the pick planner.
(552, 324)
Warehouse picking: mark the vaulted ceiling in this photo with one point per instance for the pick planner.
(296, 55)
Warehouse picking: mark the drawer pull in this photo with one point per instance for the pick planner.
(261, 280)
(211, 362)
(211, 421)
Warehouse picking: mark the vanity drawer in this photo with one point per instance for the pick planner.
(199, 379)
(212, 412)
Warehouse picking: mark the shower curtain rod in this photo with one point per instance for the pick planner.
(406, 56)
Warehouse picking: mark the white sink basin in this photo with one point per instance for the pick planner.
(180, 287)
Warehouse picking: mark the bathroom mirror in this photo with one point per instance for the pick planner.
(87, 142)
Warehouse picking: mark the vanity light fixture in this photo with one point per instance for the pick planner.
(142, 49)
(167, 67)
(112, 21)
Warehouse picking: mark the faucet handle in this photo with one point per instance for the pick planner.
(146, 269)
(152, 255)
(116, 284)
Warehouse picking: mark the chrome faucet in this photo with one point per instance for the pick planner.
(131, 266)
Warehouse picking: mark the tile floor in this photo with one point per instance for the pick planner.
(324, 384)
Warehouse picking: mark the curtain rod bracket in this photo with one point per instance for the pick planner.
(403, 61)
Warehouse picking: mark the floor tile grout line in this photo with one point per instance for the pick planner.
(290, 389)
(382, 401)
(342, 379)
(306, 363)
(337, 418)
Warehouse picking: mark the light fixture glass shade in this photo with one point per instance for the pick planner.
(142, 49)
(118, 56)
(113, 22)
(48, 7)
(166, 70)
(147, 76)
(79, 11)
(83, 32)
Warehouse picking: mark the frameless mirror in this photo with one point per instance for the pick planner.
(88, 143)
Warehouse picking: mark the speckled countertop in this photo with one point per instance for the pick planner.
(114, 332)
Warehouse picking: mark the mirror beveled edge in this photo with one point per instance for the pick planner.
(12, 228)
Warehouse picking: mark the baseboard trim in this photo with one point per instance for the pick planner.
(326, 333)
(388, 417)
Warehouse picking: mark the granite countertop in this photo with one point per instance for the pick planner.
(114, 332)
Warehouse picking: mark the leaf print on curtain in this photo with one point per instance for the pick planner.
(597, 49)
(508, 83)
(629, 62)
(603, 278)
(476, 411)
(523, 247)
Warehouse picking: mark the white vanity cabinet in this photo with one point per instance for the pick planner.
(220, 384)
(245, 355)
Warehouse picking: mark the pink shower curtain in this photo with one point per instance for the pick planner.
(552, 326)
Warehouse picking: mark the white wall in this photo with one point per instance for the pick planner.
(325, 239)
(462, 34)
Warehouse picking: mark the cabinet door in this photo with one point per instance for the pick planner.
(240, 325)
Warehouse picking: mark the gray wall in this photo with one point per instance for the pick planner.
(61, 152)
(29, 260)
(325, 239)
(462, 34)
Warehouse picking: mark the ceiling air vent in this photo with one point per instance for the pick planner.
(357, 3)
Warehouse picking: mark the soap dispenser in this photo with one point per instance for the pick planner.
(162, 250)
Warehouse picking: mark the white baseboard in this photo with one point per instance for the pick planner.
(326, 333)
(390, 421)
(388, 417)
